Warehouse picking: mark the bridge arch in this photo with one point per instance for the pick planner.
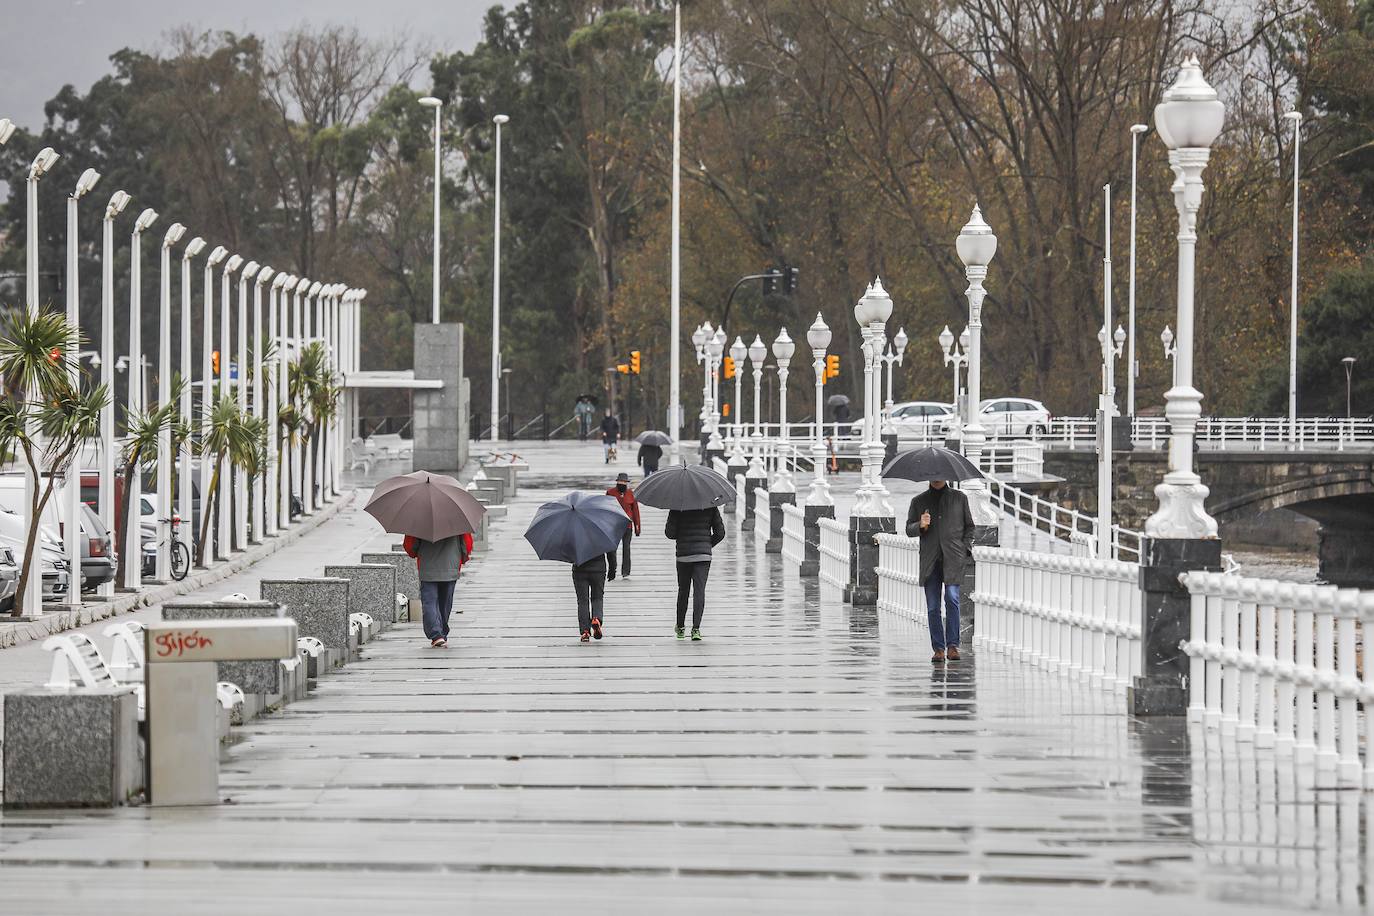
(1295, 493)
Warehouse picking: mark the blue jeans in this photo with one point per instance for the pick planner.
(943, 633)
(436, 602)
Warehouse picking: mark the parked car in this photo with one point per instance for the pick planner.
(915, 419)
(55, 579)
(1014, 417)
(98, 560)
(9, 577)
(90, 490)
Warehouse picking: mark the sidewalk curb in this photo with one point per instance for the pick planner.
(23, 631)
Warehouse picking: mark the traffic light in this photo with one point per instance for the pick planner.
(832, 366)
(729, 367)
(771, 276)
(214, 361)
(790, 277)
(634, 361)
(622, 369)
(725, 410)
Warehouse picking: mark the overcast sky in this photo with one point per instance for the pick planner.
(49, 44)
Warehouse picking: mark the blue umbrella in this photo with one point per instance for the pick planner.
(577, 527)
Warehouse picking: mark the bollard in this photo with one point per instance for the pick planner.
(182, 714)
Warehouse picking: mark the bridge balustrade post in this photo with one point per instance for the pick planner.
(1161, 689)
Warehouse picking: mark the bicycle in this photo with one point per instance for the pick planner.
(180, 554)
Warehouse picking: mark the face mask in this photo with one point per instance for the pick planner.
(620, 487)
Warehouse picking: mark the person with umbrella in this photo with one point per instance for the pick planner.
(651, 444)
(942, 520)
(692, 494)
(580, 529)
(437, 517)
(626, 498)
(610, 432)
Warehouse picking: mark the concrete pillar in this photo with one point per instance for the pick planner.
(1161, 689)
(440, 419)
(775, 503)
(811, 561)
(862, 590)
(750, 485)
(983, 536)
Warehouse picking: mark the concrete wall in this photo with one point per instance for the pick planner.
(441, 416)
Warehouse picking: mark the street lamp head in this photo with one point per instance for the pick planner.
(95, 361)
(87, 181)
(946, 339)
(314, 289)
(118, 201)
(976, 243)
(264, 275)
(900, 342)
(302, 284)
(699, 337)
(174, 234)
(1295, 116)
(1190, 115)
(430, 101)
(738, 351)
(1348, 360)
(1119, 337)
(1166, 337)
(501, 119)
(280, 280)
(818, 335)
(250, 270)
(717, 344)
(217, 255)
(964, 340)
(879, 307)
(45, 160)
(6, 130)
(1139, 128)
(758, 352)
(193, 248)
(145, 219)
(233, 263)
(783, 347)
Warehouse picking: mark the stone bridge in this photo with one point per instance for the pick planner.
(1334, 489)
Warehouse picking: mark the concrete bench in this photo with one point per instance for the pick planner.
(126, 658)
(262, 682)
(371, 590)
(72, 748)
(320, 607)
(77, 663)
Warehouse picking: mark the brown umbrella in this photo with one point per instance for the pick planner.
(425, 505)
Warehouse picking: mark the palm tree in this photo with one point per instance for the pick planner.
(140, 453)
(44, 415)
(234, 435)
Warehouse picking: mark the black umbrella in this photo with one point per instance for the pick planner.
(835, 400)
(931, 463)
(684, 487)
(653, 437)
(577, 527)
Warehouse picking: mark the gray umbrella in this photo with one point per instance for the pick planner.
(835, 400)
(577, 527)
(653, 437)
(425, 505)
(932, 463)
(684, 487)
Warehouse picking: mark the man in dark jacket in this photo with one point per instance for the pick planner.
(610, 432)
(626, 497)
(697, 532)
(941, 518)
(649, 456)
(439, 564)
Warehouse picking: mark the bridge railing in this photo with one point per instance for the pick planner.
(1079, 616)
(1077, 530)
(1215, 433)
(793, 533)
(1277, 664)
(834, 552)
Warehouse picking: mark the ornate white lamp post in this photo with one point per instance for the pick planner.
(699, 344)
(872, 312)
(738, 354)
(240, 385)
(1188, 120)
(1133, 368)
(955, 354)
(976, 246)
(758, 352)
(818, 337)
(163, 564)
(892, 355)
(715, 348)
(783, 348)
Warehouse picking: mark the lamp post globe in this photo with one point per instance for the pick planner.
(818, 337)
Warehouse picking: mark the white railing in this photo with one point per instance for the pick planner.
(1213, 433)
(741, 498)
(899, 577)
(762, 514)
(1022, 460)
(1076, 615)
(1037, 516)
(1277, 664)
(793, 533)
(834, 551)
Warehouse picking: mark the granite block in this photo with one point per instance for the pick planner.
(407, 576)
(775, 519)
(371, 590)
(73, 748)
(811, 562)
(863, 558)
(318, 605)
(1162, 687)
(251, 676)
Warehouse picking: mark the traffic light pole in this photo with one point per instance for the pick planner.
(788, 276)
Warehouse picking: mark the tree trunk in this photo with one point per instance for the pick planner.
(40, 499)
(207, 510)
(122, 525)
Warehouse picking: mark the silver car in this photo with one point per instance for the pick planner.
(54, 564)
(9, 577)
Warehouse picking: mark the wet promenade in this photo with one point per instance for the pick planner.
(805, 758)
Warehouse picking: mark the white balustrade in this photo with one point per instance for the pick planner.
(1213, 433)
(1079, 616)
(1275, 663)
(761, 514)
(899, 577)
(834, 552)
(1038, 524)
(793, 533)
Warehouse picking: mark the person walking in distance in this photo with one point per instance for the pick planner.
(697, 532)
(941, 518)
(610, 432)
(626, 497)
(583, 411)
(649, 456)
(439, 563)
(589, 582)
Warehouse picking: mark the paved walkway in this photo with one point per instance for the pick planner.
(805, 758)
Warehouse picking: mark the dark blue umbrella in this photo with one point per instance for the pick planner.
(577, 527)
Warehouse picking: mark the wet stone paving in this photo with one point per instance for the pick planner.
(806, 757)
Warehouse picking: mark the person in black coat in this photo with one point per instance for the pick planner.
(649, 456)
(610, 432)
(941, 518)
(697, 532)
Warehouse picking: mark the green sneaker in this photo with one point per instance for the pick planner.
(681, 632)
(696, 635)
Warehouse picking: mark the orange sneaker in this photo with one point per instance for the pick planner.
(586, 636)
(596, 627)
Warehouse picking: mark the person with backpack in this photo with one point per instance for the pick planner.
(439, 563)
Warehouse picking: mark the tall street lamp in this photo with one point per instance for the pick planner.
(207, 380)
(118, 201)
(498, 120)
(976, 246)
(1296, 118)
(71, 495)
(240, 384)
(872, 313)
(272, 485)
(1349, 363)
(224, 499)
(430, 101)
(185, 506)
(259, 525)
(675, 278)
(309, 495)
(163, 562)
(891, 355)
(738, 354)
(783, 348)
(956, 355)
(1106, 402)
(1188, 120)
(1134, 367)
(818, 337)
(758, 352)
(133, 496)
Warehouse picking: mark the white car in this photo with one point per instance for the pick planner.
(915, 419)
(1014, 417)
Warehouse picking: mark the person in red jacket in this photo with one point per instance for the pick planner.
(439, 563)
(626, 497)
